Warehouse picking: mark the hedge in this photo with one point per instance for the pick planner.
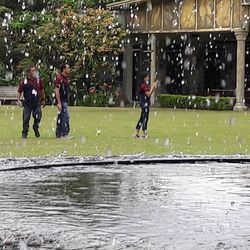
(95, 100)
(197, 102)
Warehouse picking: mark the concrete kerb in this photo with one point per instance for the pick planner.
(132, 161)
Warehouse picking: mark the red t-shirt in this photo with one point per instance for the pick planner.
(144, 99)
(35, 83)
(32, 90)
(62, 83)
(144, 87)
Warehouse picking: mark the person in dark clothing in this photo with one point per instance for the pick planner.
(32, 89)
(145, 93)
(62, 99)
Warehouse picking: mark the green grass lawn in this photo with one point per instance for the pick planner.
(170, 132)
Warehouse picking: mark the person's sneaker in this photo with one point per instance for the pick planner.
(67, 137)
(37, 134)
(136, 136)
(24, 136)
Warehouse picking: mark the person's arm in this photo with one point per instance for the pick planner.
(19, 103)
(152, 89)
(42, 93)
(19, 93)
(58, 99)
(43, 98)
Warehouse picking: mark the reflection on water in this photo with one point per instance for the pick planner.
(127, 207)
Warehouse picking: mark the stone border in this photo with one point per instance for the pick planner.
(16, 164)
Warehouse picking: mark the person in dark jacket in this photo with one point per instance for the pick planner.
(62, 99)
(145, 92)
(32, 89)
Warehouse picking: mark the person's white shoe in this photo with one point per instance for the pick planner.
(67, 137)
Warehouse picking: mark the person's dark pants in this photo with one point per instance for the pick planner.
(37, 116)
(143, 121)
(62, 123)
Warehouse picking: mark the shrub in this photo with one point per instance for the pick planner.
(95, 100)
(197, 102)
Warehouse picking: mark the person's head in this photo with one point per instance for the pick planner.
(145, 77)
(32, 72)
(65, 69)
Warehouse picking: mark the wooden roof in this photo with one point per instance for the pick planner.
(124, 2)
(165, 16)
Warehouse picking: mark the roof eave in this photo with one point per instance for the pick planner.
(124, 2)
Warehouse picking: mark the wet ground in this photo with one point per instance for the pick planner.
(175, 206)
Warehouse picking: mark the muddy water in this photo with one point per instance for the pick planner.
(201, 206)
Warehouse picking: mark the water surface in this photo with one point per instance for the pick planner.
(199, 206)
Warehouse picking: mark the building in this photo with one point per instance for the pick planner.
(195, 47)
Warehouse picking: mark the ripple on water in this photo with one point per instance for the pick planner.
(199, 206)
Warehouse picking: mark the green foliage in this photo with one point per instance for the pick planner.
(2, 46)
(2, 70)
(95, 100)
(87, 42)
(78, 38)
(196, 102)
(13, 5)
(4, 10)
(76, 4)
(47, 77)
(3, 80)
(57, 34)
(2, 75)
(23, 21)
(54, 4)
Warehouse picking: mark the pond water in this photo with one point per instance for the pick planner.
(163, 206)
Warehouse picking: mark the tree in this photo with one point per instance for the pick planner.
(87, 41)
(47, 32)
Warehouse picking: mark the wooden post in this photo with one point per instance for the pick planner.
(153, 64)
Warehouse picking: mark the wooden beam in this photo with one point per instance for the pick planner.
(181, 31)
(124, 2)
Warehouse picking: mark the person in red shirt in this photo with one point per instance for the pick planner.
(33, 92)
(62, 99)
(145, 93)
